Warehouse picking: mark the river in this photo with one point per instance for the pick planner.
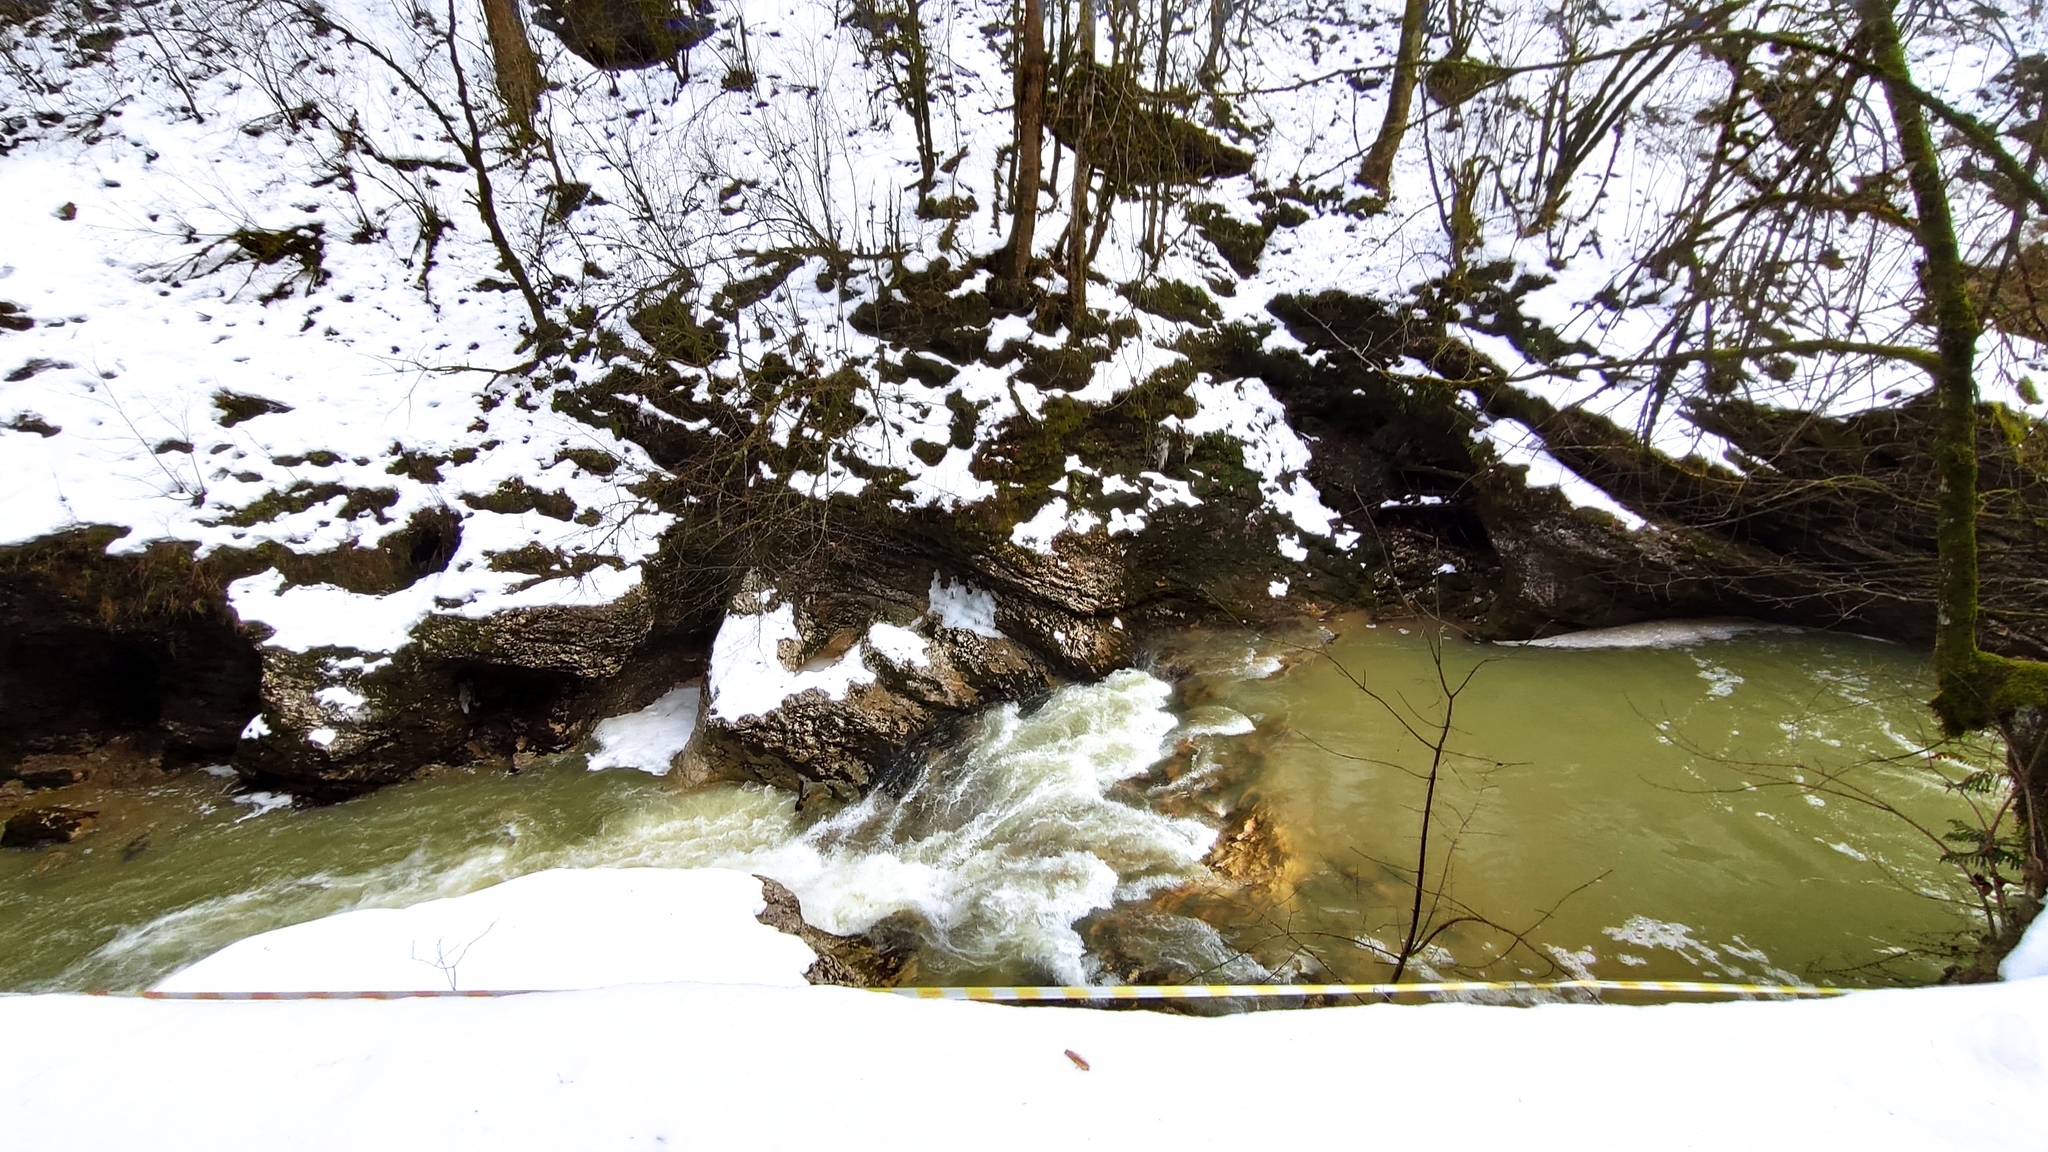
(1685, 802)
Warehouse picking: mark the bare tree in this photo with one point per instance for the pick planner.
(1378, 170)
(517, 72)
(1030, 115)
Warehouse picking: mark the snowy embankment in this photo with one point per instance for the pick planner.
(756, 1066)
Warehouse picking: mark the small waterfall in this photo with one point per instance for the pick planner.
(1010, 837)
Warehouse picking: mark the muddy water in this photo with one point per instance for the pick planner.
(1685, 810)
(1726, 805)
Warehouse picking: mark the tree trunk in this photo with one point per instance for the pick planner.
(517, 72)
(1974, 689)
(917, 74)
(1077, 228)
(1378, 169)
(1219, 20)
(1030, 134)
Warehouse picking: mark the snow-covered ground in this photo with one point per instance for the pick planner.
(750, 1065)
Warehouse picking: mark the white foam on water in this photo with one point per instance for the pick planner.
(1004, 846)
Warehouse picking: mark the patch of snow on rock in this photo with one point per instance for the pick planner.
(1656, 634)
(748, 677)
(650, 738)
(900, 646)
(1518, 445)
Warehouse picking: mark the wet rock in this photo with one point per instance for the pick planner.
(589, 641)
(56, 824)
(850, 704)
(1254, 852)
(338, 722)
(38, 773)
(848, 961)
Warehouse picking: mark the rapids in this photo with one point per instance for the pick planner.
(1712, 802)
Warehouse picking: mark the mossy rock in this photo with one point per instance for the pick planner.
(1137, 137)
(1174, 300)
(1239, 243)
(1452, 82)
(621, 35)
(236, 407)
(671, 328)
(516, 496)
(749, 291)
(305, 494)
(916, 310)
(1064, 369)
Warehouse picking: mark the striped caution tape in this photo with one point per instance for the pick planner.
(420, 994)
(1024, 994)
(1302, 991)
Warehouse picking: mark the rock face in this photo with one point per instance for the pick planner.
(822, 693)
(839, 635)
(335, 722)
(1831, 524)
(141, 645)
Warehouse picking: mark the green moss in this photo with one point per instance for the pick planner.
(304, 495)
(516, 496)
(1068, 368)
(423, 467)
(946, 207)
(745, 293)
(547, 563)
(917, 310)
(1452, 82)
(595, 461)
(163, 581)
(1239, 243)
(1174, 300)
(671, 328)
(965, 417)
(1135, 136)
(236, 407)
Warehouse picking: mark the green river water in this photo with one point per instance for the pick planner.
(1696, 809)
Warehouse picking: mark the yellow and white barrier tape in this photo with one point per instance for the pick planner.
(1027, 994)
(1302, 991)
(419, 994)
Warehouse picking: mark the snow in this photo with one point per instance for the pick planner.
(748, 676)
(1656, 634)
(2029, 960)
(1051, 520)
(1247, 411)
(651, 738)
(899, 646)
(1518, 445)
(562, 928)
(395, 353)
(713, 1063)
(963, 606)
